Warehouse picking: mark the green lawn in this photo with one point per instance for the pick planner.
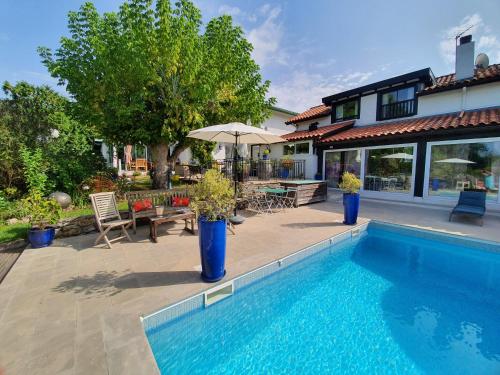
(13, 232)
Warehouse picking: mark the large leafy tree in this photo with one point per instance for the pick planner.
(147, 74)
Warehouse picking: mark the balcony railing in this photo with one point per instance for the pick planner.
(247, 169)
(398, 109)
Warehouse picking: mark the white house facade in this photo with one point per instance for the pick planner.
(414, 137)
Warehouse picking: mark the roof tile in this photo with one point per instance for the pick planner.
(448, 121)
(312, 113)
(320, 132)
(448, 81)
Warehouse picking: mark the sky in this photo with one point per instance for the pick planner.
(307, 49)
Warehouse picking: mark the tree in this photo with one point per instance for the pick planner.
(147, 75)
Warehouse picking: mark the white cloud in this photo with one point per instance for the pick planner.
(267, 38)
(227, 9)
(487, 42)
(303, 90)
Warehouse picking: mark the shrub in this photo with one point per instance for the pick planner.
(350, 183)
(41, 211)
(213, 196)
(34, 170)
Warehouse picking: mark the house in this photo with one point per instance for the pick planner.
(414, 137)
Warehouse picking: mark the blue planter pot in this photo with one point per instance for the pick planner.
(212, 240)
(265, 157)
(284, 173)
(351, 208)
(318, 177)
(41, 238)
(435, 184)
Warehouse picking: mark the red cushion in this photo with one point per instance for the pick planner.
(145, 204)
(180, 202)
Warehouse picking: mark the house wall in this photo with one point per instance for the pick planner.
(304, 125)
(368, 110)
(276, 123)
(311, 160)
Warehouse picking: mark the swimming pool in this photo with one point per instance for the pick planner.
(389, 300)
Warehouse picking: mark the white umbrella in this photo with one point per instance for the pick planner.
(455, 161)
(399, 155)
(237, 133)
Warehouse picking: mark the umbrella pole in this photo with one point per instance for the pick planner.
(235, 174)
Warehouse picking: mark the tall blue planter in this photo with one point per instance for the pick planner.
(351, 208)
(212, 240)
(41, 238)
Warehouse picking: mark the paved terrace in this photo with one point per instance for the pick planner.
(74, 308)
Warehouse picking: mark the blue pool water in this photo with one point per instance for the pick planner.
(384, 303)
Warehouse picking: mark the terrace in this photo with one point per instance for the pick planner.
(74, 308)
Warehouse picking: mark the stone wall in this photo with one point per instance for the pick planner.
(79, 225)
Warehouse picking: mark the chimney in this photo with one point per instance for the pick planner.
(464, 58)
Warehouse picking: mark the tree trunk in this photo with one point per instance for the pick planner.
(160, 160)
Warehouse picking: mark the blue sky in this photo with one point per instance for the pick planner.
(308, 49)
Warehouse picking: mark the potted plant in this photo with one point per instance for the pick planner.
(265, 154)
(213, 200)
(160, 206)
(350, 185)
(287, 164)
(42, 212)
(318, 177)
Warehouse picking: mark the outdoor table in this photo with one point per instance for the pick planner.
(273, 190)
(156, 221)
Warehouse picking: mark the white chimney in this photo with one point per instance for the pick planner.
(464, 58)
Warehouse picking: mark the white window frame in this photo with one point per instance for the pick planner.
(295, 147)
(441, 199)
(379, 194)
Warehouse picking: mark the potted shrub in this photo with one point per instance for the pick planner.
(213, 200)
(287, 164)
(160, 206)
(41, 212)
(265, 154)
(350, 185)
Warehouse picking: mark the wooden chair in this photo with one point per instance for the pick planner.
(108, 217)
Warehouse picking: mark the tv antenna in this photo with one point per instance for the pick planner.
(462, 33)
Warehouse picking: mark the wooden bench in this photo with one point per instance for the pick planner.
(158, 197)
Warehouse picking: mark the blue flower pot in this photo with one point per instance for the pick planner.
(435, 184)
(41, 237)
(284, 173)
(351, 208)
(212, 240)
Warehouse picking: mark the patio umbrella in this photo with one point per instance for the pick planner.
(236, 133)
(455, 161)
(399, 155)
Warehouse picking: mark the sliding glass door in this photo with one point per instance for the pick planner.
(338, 162)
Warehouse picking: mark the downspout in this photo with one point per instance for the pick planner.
(464, 99)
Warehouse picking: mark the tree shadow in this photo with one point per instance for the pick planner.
(108, 284)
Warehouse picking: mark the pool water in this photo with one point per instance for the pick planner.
(384, 303)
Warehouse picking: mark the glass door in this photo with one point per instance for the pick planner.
(338, 162)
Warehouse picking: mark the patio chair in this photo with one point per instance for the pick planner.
(470, 203)
(289, 198)
(108, 217)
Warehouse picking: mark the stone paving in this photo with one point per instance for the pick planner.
(74, 308)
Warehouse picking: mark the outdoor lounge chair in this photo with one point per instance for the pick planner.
(108, 217)
(471, 203)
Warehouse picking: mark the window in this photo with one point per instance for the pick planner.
(455, 167)
(338, 162)
(347, 110)
(288, 149)
(302, 148)
(397, 103)
(389, 169)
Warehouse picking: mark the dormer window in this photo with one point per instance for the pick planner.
(397, 103)
(347, 110)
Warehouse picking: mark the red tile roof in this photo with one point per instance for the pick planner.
(484, 117)
(312, 113)
(448, 82)
(320, 132)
